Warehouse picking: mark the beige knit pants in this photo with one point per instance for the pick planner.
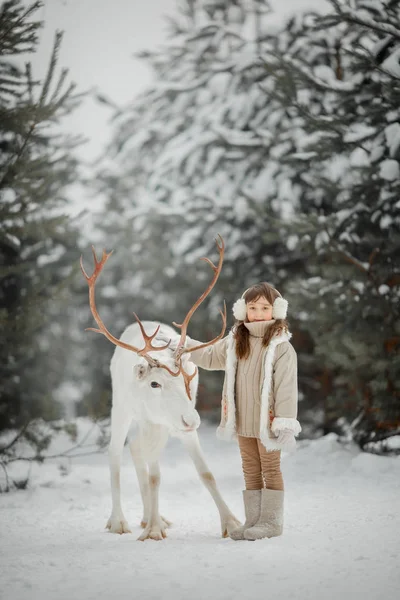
(260, 466)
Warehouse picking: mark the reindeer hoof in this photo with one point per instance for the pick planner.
(118, 526)
(152, 533)
(165, 523)
(229, 525)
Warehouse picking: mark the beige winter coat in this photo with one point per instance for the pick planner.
(277, 388)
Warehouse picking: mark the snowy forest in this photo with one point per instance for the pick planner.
(277, 128)
(284, 140)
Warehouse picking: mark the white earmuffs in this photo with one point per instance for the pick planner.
(279, 308)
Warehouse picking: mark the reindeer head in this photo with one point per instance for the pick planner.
(164, 399)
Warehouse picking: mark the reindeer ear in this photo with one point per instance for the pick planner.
(140, 371)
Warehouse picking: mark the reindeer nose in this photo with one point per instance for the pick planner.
(191, 423)
(186, 425)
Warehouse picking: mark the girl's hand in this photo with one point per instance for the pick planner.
(286, 440)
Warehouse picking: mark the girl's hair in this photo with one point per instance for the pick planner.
(242, 334)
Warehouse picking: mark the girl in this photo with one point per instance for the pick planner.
(259, 402)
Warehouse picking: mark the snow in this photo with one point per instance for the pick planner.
(304, 155)
(389, 169)
(109, 291)
(292, 242)
(358, 132)
(385, 222)
(394, 442)
(364, 18)
(326, 74)
(378, 47)
(51, 257)
(359, 158)
(321, 239)
(337, 167)
(264, 184)
(383, 289)
(218, 83)
(12, 240)
(392, 134)
(392, 63)
(340, 539)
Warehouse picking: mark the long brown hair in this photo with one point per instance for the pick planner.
(242, 334)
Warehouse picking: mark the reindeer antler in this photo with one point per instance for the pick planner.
(187, 378)
(217, 270)
(99, 264)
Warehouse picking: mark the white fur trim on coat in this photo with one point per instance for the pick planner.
(269, 443)
(280, 423)
(228, 431)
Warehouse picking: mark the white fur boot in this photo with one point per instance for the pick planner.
(270, 523)
(252, 508)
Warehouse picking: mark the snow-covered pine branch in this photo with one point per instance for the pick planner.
(361, 18)
(348, 87)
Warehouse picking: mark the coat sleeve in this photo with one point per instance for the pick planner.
(285, 390)
(212, 358)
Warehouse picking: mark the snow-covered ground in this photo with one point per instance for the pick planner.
(341, 538)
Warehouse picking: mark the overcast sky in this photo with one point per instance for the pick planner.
(100, 39)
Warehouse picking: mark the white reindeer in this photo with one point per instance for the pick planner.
(160, 395)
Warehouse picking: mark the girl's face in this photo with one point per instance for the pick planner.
(259, 310)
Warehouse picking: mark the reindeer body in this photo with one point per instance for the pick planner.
(155, 386)
(159, 413)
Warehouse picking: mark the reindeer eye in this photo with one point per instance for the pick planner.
(155, 384)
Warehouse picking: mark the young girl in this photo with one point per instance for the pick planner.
(259, 402)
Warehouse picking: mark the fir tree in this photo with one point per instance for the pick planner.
(38, 241)
(341, 82)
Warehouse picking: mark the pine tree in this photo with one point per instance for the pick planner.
(38, 241)
(341, 82)
(210, 165)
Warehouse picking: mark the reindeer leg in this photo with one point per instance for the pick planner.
(192, 444)
(153, 441)
(143, 478)
(155, 529)
(119, 429)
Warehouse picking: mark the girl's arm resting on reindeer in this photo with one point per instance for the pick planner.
(285, 390)
(212, 358)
